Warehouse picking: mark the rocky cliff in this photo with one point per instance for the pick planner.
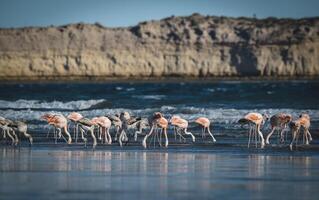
(190, 46)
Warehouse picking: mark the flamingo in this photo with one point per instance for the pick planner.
(279, 121)
(302, 122)
(255, 120)
(116, 121)
(105, 124)
(140, 125)
(86, 124)
(59, 122)
(75, 117)
(4, 125)
(182, 125)
(205, 123)
(160, 121)
(21, 127)
(127, 122)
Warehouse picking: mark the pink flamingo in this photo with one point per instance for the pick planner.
(255, 120)
(4, 125)
(205, 123)
(302, 122)
(59, 122)
(75, 117)
(105, 124)
(160, 121)
(182, 125)
(279, 121)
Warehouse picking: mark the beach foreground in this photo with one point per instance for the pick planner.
(177, 173)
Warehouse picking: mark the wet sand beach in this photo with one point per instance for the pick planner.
(180, 172)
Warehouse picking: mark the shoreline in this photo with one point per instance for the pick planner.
(96, 79)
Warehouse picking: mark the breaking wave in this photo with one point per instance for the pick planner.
(32, 110)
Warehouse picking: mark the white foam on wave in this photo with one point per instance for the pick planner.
(151, 97)
(37, 104)
(226, 116)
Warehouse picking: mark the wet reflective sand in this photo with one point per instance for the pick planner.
(53, 173)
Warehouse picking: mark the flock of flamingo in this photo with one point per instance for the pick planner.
(158, 124)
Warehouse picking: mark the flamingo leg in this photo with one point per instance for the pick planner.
(166, 138)
(261, 136)
(109, 135)
(160, 139)
(28, 136)
(15, 137)
(282, 133)
(4, 133)
(11, 137)
(270, 134)
(154, 137)
(105, 135)
(116, 133)
(121, 137)
(64, 138)
(94, 138)
(250, 132)
(306, 137)
(55, 136)
(146, 136)
(139, 131)
(211, 134)
(175, 133)
(77, 133)
(309, 134)
(298, 135)
(82, 135)
(189, 133)
(48, 131)
(294, 136)
(180, 135)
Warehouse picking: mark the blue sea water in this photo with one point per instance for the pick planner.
(226, 169)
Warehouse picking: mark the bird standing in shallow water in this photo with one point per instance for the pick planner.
(205, 123)
(160, 121)
(75, 117)
(4, 125)
(302, 122)
(59, 122)
(254, 120)
(86, 124)
(279, 121)
(21, 127)
(105, 124)
(181, 125)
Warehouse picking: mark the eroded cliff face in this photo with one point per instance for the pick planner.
(177, 46)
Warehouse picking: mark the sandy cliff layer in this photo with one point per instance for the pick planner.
(176, 46)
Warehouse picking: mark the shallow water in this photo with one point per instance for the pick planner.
(45, 173)
(202, 170)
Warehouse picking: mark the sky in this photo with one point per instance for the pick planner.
(119, 13)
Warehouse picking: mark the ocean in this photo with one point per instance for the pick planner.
(226, 169)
